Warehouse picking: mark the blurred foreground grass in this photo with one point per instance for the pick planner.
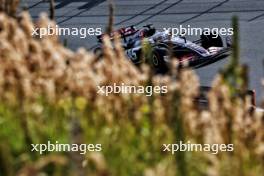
(49, 93)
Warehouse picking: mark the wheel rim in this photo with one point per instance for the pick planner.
(155, 60)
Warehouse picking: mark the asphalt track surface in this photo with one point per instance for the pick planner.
(170, 13)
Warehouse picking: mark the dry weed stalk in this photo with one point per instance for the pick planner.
(9, 7)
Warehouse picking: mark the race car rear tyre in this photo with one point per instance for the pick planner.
(211, 41)
(158, 62)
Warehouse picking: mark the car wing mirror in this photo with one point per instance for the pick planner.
(184, 38)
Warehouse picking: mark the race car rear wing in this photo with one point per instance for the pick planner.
(124, 32)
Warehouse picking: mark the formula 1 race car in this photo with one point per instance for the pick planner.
(208, 49)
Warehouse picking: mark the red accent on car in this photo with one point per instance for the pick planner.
(186, 57)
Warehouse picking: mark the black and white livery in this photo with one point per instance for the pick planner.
(208, 49)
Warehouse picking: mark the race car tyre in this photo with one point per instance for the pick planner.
(211, 40)
(158, 62)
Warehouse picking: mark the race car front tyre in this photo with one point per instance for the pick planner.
(211, 40)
